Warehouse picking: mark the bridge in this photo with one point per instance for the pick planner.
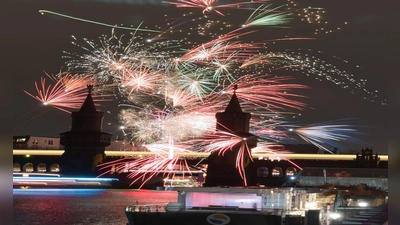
(274, 156)
(279, 167)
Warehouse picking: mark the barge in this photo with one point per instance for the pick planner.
(247, 205)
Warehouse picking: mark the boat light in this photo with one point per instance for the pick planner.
(362, 204)
(311, 205)
(335, 215)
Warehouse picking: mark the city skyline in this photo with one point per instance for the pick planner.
(335, 104)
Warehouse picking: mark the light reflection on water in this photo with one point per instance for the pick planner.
(59, 191)
(81, 206)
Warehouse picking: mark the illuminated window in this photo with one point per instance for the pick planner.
(21, 139)
(17, 167)
(262, 172)
(41, 168)
(277, 172)
(55, 168)
(28, 167)
(291, 171)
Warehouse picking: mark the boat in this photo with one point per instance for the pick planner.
(219, 205)
(251, 205)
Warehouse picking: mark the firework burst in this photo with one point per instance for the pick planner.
(174, 86)
(263, 16)
(210, 5)
(329, 135)
(68, 92)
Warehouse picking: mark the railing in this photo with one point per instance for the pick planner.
(146, 208)
(204, 154)
(164, 208)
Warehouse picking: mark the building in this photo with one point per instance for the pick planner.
(223, 169)
(53, 143)
(43, 164)
(85, 143)
(367, 159)
(36, 142)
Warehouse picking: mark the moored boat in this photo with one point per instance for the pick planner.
(250, 205)
(232, 205)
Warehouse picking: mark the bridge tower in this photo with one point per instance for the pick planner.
(85, 143)
(222, 168)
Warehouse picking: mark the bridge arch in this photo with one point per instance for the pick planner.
(16, 167)
(290, 171)
(41, 168)
(28, 167)
(262, 171)
(277, 172)
(55, 168)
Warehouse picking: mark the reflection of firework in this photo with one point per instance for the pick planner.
(174, 86)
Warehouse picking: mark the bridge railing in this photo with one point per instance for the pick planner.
(205, 154)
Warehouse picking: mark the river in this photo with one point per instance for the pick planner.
(75, 206)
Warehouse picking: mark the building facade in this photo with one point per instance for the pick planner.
(85, 144)
(227, 169)
(36, 142)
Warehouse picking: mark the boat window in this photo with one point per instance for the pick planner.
(181, 181)
(262, 172)
(21, 139)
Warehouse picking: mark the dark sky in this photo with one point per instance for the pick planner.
(368, 41)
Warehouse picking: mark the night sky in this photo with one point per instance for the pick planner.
(368, 41)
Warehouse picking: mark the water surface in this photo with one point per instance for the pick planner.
(81, 206)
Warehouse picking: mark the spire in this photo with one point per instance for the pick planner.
(88, 105)
(234, 105)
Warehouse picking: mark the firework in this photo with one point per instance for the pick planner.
(209, 5)
(95, 22)
(175, 82)
(144, 168)
(329, 135)
(263, 16)
(68, 92)
(223, 141)
(315, 16)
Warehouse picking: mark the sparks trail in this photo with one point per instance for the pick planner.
(330, 134)
(143, 169)
(208, 6)
(28, 113)
(47, 110)
(68, 92)
(94, 22)
(263, 16)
